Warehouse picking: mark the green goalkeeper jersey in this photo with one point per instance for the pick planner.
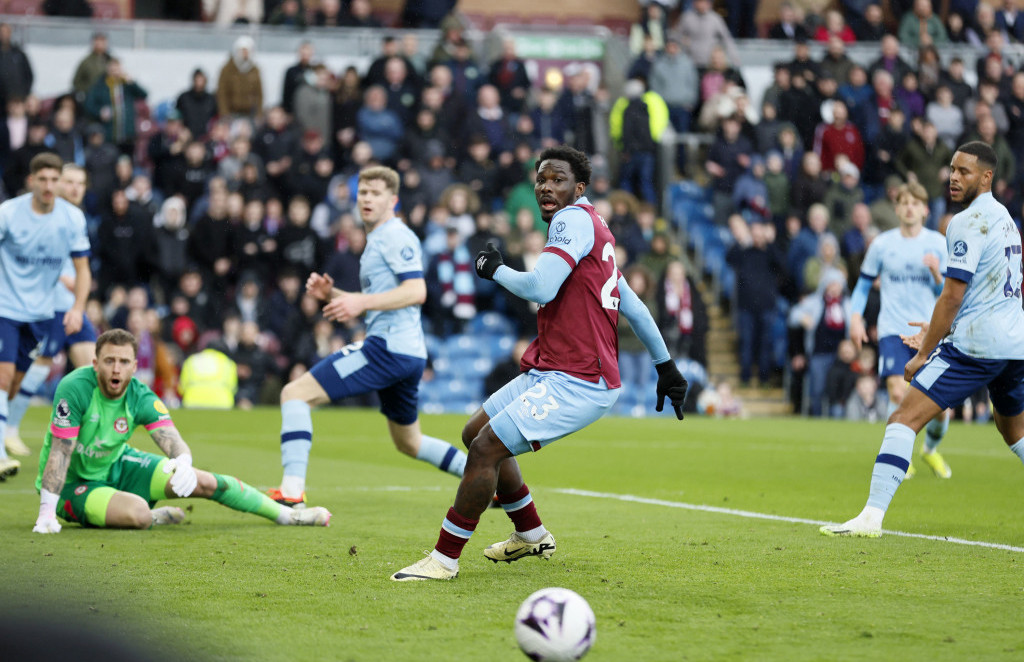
(102, 426)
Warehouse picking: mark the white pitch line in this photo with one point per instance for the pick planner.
(775, 518)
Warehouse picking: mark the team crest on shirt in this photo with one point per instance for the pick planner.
(80, 490)
(121, 425)
(407, 253)
(960, 248)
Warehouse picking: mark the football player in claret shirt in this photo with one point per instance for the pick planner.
(571, 372)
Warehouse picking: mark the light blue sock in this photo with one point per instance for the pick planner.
(3, 424)
(891, 464)
(30, 385)
(442, 455)
(296, 437)
(935, 431)
(1018, 449)
(891, 409)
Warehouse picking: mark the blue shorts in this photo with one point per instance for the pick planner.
(893, 356)
(539, 407)
(19, 340)
(369, 366)
(950, 376)
(56, 340)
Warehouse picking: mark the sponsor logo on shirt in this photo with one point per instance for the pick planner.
(89, 451)
(560, 227)
(558, 239)
(160, 407)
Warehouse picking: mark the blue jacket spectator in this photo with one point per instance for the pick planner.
(378, 126)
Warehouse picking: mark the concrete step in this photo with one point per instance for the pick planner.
(767, 408)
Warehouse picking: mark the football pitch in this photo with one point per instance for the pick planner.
(695, 540)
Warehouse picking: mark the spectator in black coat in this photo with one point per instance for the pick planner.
(311, 168)
(508, 74)
(211, 242)
(728, 158)
(197, 106)
(15, 69)
(758, 266)
(124, 240)
(169, 253)
(298, 246)
(254, 366)
(276, 144)
(295, 75)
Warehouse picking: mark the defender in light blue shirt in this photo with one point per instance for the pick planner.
(38, 232)
(909, 262)
(389, 361)
(80, 346)
(975, 337)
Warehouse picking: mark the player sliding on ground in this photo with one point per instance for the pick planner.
(571, 372)
(391, 359)
(89, 474)
(910, 261)
(975, 337)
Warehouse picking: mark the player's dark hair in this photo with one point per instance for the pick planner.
(118, 338)
(577, 160)
(44, 161)
(982, 151)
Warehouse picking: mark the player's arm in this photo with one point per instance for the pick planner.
(167, 437)
(54, 474)
(349, 305)
(858, 302)
(539, 285)
(671, 382)
(946, 307)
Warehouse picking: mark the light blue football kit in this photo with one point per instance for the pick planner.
(908, 290)
(33, 249)
(389, 361)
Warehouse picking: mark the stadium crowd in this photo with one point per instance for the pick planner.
(204, 231)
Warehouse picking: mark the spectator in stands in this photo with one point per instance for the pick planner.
(401, 88)
(811, 185)
(328, 14)
(289, 13)
(871, 26)
(826, 263)
(549, 129)
(508, 74)
(750, 195)
(855, 92)
(835, 26)
(883, 209)
(804, 245)
(925, 159)
(239, 87)
(675, 79)
(638, 119)
(426, 13)
(111, 101)
(15, 69)
(921, 27)
(889, 60)
(842, 195)
(311, 169)
(1006, 165)
(379, 126)
(777, 185)
(840, 137)
(276, 143)
(702, 29)
(451, 287)
(1010, 21)
(196, 106)
(789, 26)
(909, 98)
(479, 172)
(799, 106)
(359, 14)
(297, 75)
(508, 369)
(803, 65)
(652, 25)
(299, 247)
(641, 65)
(230, 12)
(791, 150)
(727, 158)
(841, 379)
(491, 121)
(65, 139)
(209, 380)
(92, 68)
(578, 106)
(211, 242)
(124, 241)
(169, 252)
(853, 243)
(680, 312)
(254, 366)
(824, 315)
(987, 103)
(313, 103)
(758, 266)
(866, 403)
(947, 117)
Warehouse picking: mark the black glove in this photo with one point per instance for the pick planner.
(672, 384)
(488, 261)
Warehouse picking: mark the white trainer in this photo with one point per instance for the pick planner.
(424, 569)
(8, 467)
(516, 548)
(168, 515)
(318, 516)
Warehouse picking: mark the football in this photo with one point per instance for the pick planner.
(555, 625)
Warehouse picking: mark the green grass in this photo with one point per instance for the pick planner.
(665, 583)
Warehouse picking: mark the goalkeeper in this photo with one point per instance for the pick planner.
(90, 475)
